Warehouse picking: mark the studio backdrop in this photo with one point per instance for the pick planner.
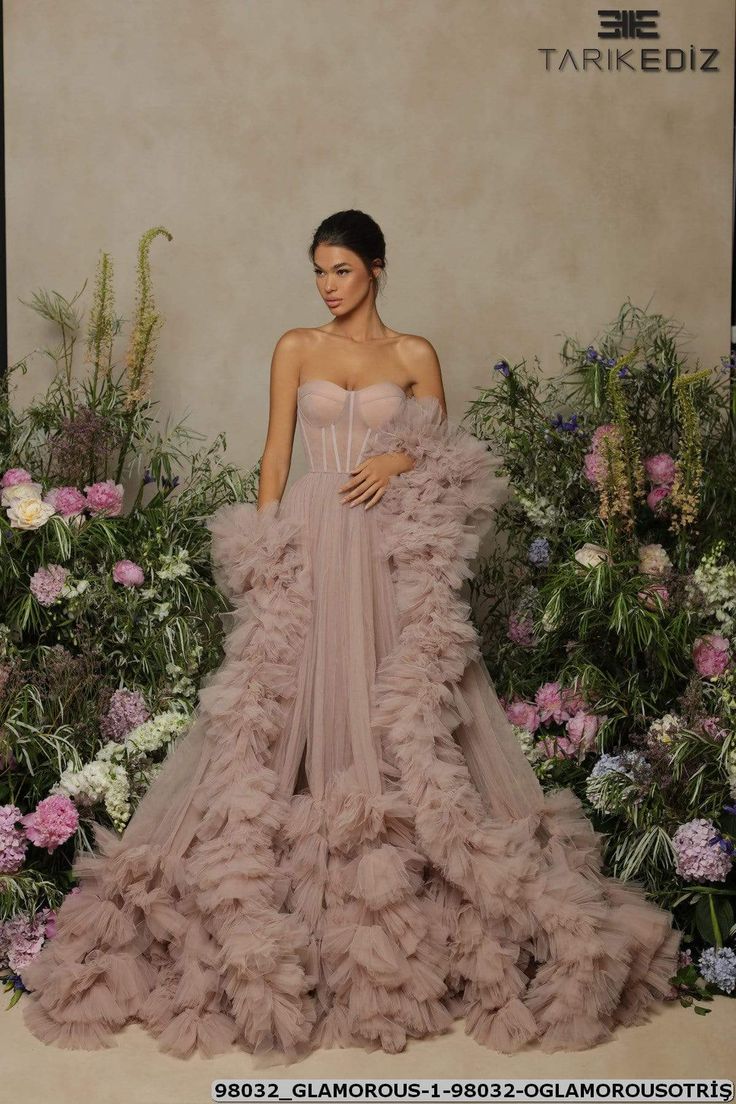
(531, 164)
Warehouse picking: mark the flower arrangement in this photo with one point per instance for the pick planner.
(607, 609)
(110, 613)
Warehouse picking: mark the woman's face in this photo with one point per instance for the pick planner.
(342, 278)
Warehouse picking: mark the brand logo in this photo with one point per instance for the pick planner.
(629, 25)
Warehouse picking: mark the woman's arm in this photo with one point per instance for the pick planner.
(277, 451)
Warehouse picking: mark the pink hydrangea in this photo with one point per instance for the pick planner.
(126, 711)
(55, 819)
(697, 858)
(105, 498)
(523, 714)
(521, 631)
(67, 501)
(128, 573)
(15, 475)
(661, 469)
(711, 655)
(47, 583)
(656, 497)
(12, 841)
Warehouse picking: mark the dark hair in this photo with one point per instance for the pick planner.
(358, 232)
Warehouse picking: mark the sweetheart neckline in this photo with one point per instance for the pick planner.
(355, 390)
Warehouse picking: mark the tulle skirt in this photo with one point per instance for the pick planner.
(348, 847)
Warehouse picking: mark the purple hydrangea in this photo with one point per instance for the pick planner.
(699, 858)
(126, 711)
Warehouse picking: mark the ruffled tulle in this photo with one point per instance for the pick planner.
(238, 909)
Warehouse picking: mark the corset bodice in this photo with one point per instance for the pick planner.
(336, 424)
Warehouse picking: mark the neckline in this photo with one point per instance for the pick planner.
(355, 390)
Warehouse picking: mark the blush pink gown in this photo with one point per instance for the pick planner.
(349, 846)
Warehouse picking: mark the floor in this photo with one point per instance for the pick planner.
(676, 1043)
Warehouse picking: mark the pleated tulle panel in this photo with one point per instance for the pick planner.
(353, 626)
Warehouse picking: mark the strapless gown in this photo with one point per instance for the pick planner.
(291, 879)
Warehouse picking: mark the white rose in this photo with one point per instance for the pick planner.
(19, 491)
(30, 513)
(590, 555)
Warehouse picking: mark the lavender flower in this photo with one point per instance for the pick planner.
(503, 368)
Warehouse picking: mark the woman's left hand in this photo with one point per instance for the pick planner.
(370, 479)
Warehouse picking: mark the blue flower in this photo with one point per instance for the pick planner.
(591, 353)
(538, 553)
(718, 966)
(609, 362)
(502, 367)
(147, 477)
(623, 372)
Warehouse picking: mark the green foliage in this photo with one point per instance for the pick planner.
(612, 605)
(61, 662)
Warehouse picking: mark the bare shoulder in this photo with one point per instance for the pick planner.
(291, 341)
(422, 362)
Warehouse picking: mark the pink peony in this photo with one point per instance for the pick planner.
(128, 573)
(12, 841)
(559, 747)
(14, 476)
(572, 700)
(105, 498)
(47, 583)
(582, 729)
(711, 655)
(648, 596)
(656, 497)
(660, 469)
(549, 700)
(67, 501)
(523, 714)
(55, 819)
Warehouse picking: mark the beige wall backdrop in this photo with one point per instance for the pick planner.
(518, 203)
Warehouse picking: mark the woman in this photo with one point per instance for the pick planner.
(349, 846)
